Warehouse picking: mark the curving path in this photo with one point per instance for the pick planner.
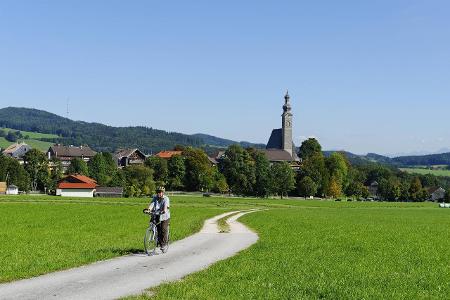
(132, 274)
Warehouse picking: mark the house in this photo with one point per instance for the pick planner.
(280, 146)
(76, 186)
(373, 188)
(213, 161)
(66, 153)
(12, 190)
(3, 188)
(168, 154)
(436, 193)
(126, 157)
(110, 192)
(17, 150)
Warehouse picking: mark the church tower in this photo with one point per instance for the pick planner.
(287, 125)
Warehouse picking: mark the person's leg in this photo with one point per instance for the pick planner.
(164, 233)
(159, 227)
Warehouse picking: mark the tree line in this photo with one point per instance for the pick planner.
(241, 171)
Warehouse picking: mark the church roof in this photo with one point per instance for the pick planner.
(275, 140)
(278, 155)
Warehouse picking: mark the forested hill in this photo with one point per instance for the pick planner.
(401, 161)
(219, 142)
(100, 137)
(424, 160)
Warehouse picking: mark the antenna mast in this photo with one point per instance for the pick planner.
(67, 111)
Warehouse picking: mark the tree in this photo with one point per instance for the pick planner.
(220, 183)
(56, 174)
(262, 174)
(198, 175)
(390, 189)
(334, 190)
(309, 148)
(176, 172)
(238, 167)
(314, 167)
(307, 187)
(139, 181)
(415, 190)
(160, 169)
(78, 166)
(447, 196)
(13, 172)
(98, 170)
(36, 164)
(282, 178)
(357, 189)
(337, 166)
(12, 137)
(103, 168)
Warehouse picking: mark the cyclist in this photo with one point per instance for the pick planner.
(160, 204)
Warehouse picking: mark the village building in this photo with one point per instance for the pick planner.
(127, 157)
(17, 150)
(436, 193)
(3, 188)
(66, 153)
(12, 190)
(76, 186)
(280, 146)
(110, 192)
(168, 154)
(373, 189)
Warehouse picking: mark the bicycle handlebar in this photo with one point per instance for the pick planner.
(148, 212)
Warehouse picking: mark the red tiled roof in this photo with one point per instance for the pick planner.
(168, 154)
(84, 178)
(71, 185)
(84, 182)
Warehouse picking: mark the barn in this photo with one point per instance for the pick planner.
(76, 186)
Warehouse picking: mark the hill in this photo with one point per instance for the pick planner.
(99, 136)
(30, 138)
(423, 160)
(224, 143)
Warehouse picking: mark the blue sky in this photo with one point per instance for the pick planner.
(364, 76)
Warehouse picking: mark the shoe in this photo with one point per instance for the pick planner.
(164, 249)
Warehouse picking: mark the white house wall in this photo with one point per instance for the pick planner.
(87, 193)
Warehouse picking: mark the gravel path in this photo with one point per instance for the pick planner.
(132, 274)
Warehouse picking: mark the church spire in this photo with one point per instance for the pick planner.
(287, 104)
(286, 129)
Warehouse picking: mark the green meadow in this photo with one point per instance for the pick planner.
(33, 139)
(306, 250)
(424, 171)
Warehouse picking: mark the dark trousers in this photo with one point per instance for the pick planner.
(163, 233)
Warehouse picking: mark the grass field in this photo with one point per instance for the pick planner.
(423, 171)
(32, 135)
(335, 251)
(39, 235)
(307, 249)
(33, 139)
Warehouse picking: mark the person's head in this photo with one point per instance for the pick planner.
(160, 191)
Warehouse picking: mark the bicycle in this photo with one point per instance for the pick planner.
(151, 234)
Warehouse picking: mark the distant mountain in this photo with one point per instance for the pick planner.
(102, 137)
(401, 161)
(219, 142)
(423, 160)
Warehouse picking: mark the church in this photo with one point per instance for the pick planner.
(280, 146)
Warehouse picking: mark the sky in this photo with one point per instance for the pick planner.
(364, 76)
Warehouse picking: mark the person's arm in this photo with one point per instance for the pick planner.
(166, 205)
(151, 205)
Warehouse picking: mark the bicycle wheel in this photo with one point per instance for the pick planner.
(150, 241)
